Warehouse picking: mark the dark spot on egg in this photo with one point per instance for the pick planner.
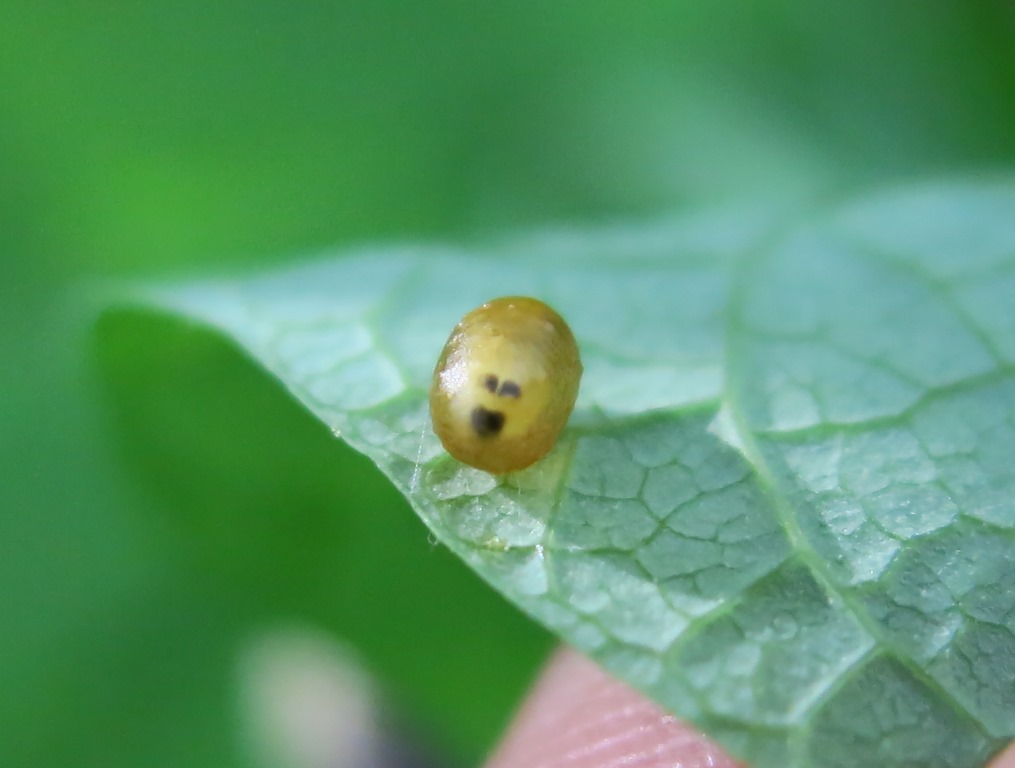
(510, 389)
(490, 382)
(486, 423)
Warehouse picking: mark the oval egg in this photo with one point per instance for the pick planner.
(505, 384)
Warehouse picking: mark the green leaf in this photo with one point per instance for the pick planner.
(784, 506)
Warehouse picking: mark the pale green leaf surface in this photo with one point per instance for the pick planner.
(784, 506)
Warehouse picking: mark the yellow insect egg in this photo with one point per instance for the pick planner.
(505, 384)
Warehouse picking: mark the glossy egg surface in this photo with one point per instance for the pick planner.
(505, 384)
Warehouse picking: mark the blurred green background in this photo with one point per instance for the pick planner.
(160, 500)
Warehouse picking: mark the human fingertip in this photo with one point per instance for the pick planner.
(578, 716)
(1006, 759)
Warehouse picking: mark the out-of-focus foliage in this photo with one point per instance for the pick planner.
(135, 557)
